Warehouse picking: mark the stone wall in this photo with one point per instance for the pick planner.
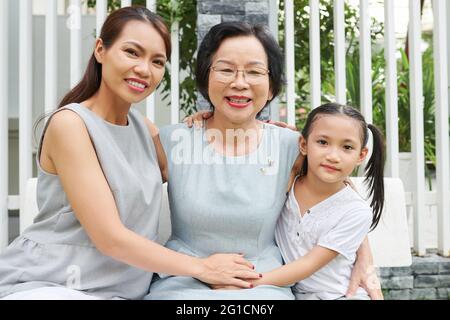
(428, 278)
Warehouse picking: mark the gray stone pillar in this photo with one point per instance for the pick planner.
(212, 12)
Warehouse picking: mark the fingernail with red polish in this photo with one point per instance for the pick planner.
(251, 285)
(260, 275)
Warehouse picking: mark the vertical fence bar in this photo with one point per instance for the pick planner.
(174, 75)
(273, 26)
(3, 124)
(417, 130)
(365, 60)
(392, 159)
(150, 103)
(101, 10)
(25, 95)
(314, 52)
(442, 139)
(50, 56)
(339, 51)
(290, 59)
(125, 3)
(74, 25)
(365, 72)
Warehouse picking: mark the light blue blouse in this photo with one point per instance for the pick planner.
(222, 204)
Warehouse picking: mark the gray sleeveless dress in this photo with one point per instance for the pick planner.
(56, 250)
(223, 204)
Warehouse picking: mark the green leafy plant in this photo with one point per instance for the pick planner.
(302, 57)
(302, 84)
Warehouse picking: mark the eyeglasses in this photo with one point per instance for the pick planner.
(227, 73)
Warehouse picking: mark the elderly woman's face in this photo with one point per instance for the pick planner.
(134, 65)
(238, 84)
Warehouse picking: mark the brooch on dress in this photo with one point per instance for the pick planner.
(270, 163)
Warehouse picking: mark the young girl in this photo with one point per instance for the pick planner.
(324, 220)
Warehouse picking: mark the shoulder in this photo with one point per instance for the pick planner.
(285, 133)
(287, 138)
(355, 206)
(67, 135)
(168, 129)
(152, 128)
(65, 122)
(170, 133)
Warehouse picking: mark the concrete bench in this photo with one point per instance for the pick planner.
(389, 241)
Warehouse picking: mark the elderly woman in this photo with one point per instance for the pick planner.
(228, 179)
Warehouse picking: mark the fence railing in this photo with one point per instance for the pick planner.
(74, 21)
(418, 199)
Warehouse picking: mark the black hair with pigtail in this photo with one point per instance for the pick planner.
(375, 166)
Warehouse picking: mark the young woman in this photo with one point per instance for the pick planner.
(99, 183)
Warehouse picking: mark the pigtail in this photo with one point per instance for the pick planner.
(374, 175)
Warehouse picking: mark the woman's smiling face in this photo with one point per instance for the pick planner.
(134, 65)
(239, 98)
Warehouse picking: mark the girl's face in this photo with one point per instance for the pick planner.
(333, 147)
(239, 98)
(134, 65)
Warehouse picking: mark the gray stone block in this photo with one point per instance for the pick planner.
(202, 103)
(424, 294)
(215, 7)
(201, 33)
(232, 18)
(257, 18)
(426, 268)
(443, 293)
(427, 281)
(384, 272)
(206, 21)
(444, 281)
(261, 7)
(444, 267)
(397, 294)
(405, 282)
(401, 271)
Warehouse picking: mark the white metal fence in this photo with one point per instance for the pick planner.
(418, 198)
(13, 202)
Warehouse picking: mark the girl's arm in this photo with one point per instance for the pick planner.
(67, 145)
(364, 273)
(298, 270)
(162, 160)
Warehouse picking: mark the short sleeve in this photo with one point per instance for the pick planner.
(348, 234)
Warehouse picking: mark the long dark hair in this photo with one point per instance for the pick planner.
(375, 165)
(111, 30)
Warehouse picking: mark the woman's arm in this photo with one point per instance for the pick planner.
(67, 145)
(298, 270)
(160, 153)
(364, 273)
